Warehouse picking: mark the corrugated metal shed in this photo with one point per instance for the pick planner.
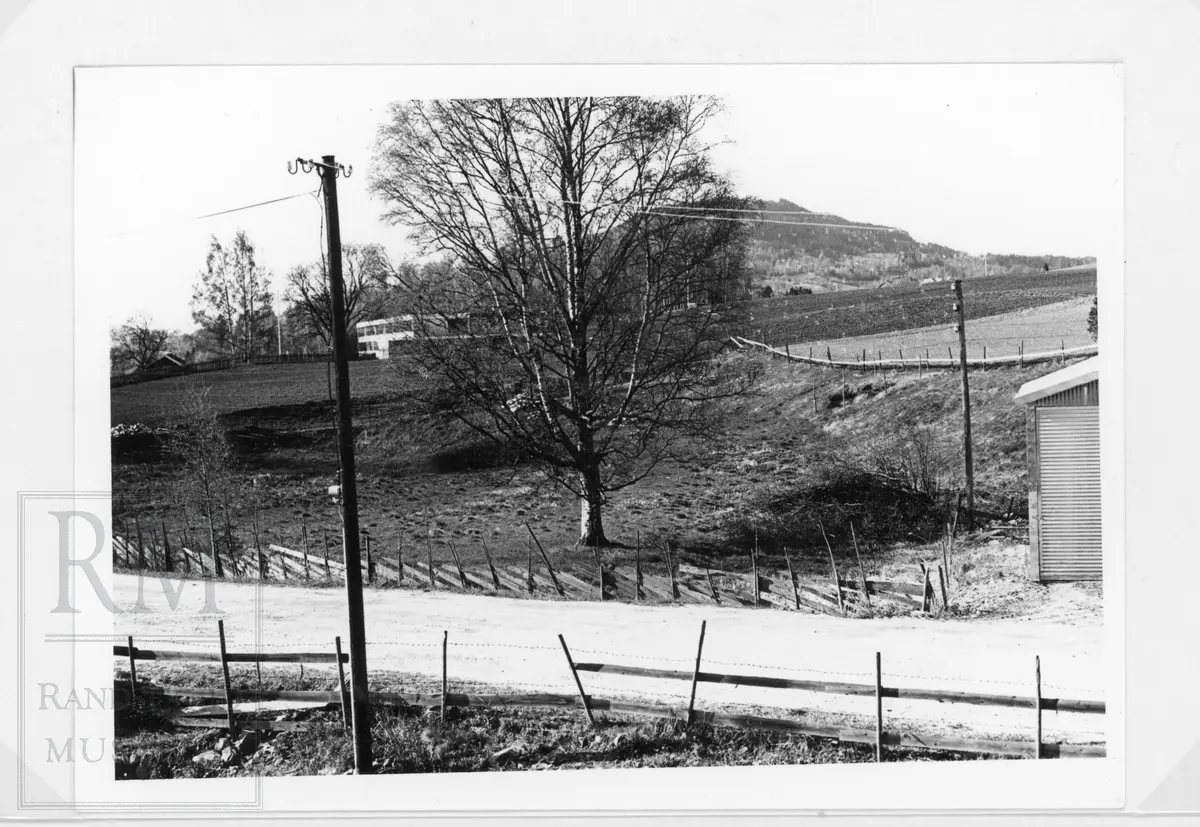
(1063, 438)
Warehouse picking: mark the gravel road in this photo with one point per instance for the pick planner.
(513, 643)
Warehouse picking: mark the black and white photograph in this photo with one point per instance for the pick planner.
(716, 425)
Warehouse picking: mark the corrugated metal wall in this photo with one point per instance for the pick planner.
(1085, 395)
(1068, 441)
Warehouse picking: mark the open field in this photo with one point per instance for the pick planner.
(778, 463)
(826, 317)
(1042, 329)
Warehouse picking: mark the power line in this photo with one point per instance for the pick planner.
(214, 214)
(657, 211)
(252, 206)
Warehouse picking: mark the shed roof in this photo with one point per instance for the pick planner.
(1069, 377)
(168, 359)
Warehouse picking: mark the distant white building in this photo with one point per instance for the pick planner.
(378, 335)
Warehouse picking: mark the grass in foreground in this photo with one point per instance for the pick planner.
(416, 740)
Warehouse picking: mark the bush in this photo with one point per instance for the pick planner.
(834, 496)
(766, 292)
(799, 291)
(1093, 322)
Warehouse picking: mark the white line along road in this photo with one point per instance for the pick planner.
(513, 643)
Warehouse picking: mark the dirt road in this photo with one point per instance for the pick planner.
(507, 642)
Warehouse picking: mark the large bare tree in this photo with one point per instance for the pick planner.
(365, 270)
(592, 247)
(137, 343)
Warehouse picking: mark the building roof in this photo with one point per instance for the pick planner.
(1069, 377)
(168, 359)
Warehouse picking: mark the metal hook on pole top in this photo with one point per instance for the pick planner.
(309, 165)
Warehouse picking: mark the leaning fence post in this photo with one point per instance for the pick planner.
(754, 569)
(1037, 702)
(878, 708)
(671, 571)
(863, 571)
(696, 674)
(637, 567)
(225, 675)
(325, 538)
(792, 578)
(837, 582)
(491, 567)
(545, 559)
(132, 671)
(337, 645)
(399, 558)
(583, 698)
(141, 555)
(304, 533)
(445, 674)
(166, 547)
(599, 568)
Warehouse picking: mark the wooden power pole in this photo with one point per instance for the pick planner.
(359, 706)
(966, 396)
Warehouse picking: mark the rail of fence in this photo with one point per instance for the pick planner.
(917, 362)
(227, 716)
(682, 583)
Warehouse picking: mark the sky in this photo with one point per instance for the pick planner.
(983, 158)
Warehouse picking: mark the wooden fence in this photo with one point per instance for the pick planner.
(226, 717)
(917, 361)
(682, 583)
(221, 364)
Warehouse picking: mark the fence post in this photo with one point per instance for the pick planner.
(861, 569)
(187, 563)
(325, 538)
(491, 567)
(583, 698)
(225, 675)
(429, 549)
(132, 671)
(304, 534)
(837, 581)
(337, 645)
(754, 569)
(637, 567)
(1037, 702)
(462, 577)
(141, 546)
(599, 568)
(792, 578)
(399, 558)
(696, 674)
(671, 572)
(545, 559)
(945, 594)
(927, 592)
(445, 674)
(166, 547)
(370, 562)
(878, 708)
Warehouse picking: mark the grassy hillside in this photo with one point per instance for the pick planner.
(778, 465)
(826, 317)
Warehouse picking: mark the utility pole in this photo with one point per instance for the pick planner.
(966, 395)
(359, 706)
